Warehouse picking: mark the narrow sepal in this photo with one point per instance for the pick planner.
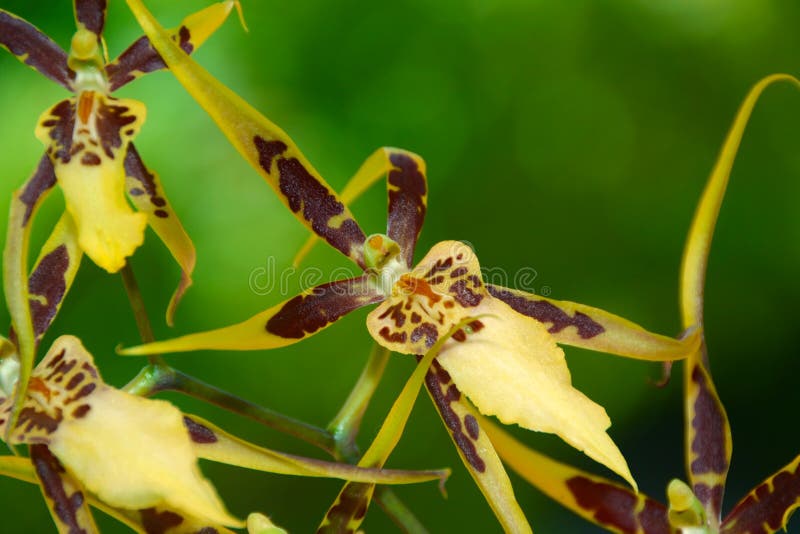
(698, 243)
(769, 506)
(264, 145)
(34, 48)
(281, 325)
(213, 443)
(351, 505)
(583, 326)
(475, 449)
(408, 195)
(53, 274)
(91, 14)
(708, 439)
(24, 203)
(612, 506)
(65, 498)
(147, 194)
(141, 58)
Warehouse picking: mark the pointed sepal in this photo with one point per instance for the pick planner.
(34, 48)
(263, 144)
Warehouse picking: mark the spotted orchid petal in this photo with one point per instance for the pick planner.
(603, 502)
(475, 449)
(147, 194)
(146, 521)
(141, 58)
(707, 430)
(350, 507)
(510, 366)
(212, 443)
(583, 326)
(408, 196)
(24, 203)
(91, 15)
(281, 325)
(87, 138)
(64, 496)
(263, 144)
(769, 506)
(90, 426)
(53, 274)
(34, 48)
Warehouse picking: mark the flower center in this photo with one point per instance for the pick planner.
(86, 59)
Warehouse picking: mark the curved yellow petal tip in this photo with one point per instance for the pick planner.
(261, 524)
(513, 369)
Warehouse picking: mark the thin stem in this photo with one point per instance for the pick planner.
(345, 425)
(193, 387)
(139, 310)
(398, 512)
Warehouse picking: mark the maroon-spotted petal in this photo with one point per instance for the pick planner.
(408, 195)
(141, 58)
(281, 325)
(34, 48)
(65, 498)
(766, 509)
(91, 14)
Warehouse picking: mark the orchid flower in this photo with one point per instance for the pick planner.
(510, 366)
(134, 454)
(694, 508)
(90, 154)
(88, 139)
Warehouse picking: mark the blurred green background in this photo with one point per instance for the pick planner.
(572, 138)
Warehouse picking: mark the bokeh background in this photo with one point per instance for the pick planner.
(569, 139)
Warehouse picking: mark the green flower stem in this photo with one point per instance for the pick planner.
(344, 427)
(139, 311)
(397, 511)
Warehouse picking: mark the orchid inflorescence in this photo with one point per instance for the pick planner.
(483, 350)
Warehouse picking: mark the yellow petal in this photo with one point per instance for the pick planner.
(87, 139)
(131, 452)
(513, 369)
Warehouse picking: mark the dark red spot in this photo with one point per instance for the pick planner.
(135, 192)
(155, 522)
(427, 331)
(766, 504)
(464, 295)
(161, 214)
(199, 433)
(415, 317)
(395, 312)
(471, 424)
(546, 312)
(83, 392)
(439, 266)
(42, 180)
(307, 313)
(392, 337)
(50, 473)
(442, 401)
(91, 159)
(135, 168)
(351, 505)
(406, 203)
(461, 271)
(48, 281)
(92, 14)
(615, 506)
(76, 379)
(111, 119)
(81, 411)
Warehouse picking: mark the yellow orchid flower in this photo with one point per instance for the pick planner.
(696, 507)
(510, 366)
(136, 455)
(88, 137)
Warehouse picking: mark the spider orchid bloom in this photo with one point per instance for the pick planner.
(133, 455)
(510, 366)
(88, 137)
(694, 508)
